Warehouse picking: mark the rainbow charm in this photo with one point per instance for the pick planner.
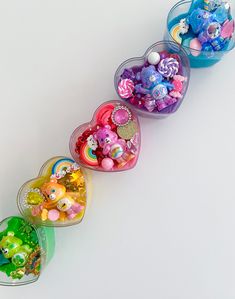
(206, 5)
(87, 155)
(175, 33)
(61, 166)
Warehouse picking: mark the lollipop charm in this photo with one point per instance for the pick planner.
(126, 88)
(168, 67)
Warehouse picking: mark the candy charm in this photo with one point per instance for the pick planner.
(58, 196)
(104, 114)
(107, 142)
(168, 67)
(125, 88)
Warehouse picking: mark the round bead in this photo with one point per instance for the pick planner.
(116, 151)
(53, 215)
(195, 46)
(154, 58)
(159, 92)
(107, 163)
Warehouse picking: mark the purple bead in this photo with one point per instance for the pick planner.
(170, 101)
(164, 54)
(128, 74)
(161, 105)
(150, 104)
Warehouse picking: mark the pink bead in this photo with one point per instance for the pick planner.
(77, 208)
(175, 94)
(72, 215)
(36, 211)
(161, 105)
(178, 85)
(107, 163)
(195, 45)
(180, 78)
(126, 88)
(53, 215)
(227, 29)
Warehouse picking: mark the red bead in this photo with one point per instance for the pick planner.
(140, 104)
(175, 56)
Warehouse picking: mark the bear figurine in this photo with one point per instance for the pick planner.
(112, 146)
(13, 248)
(155, 89)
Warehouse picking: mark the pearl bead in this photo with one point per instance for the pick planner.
(53, 215)
(107, 164)
(154, 58)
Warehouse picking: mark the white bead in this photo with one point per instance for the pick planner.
(154, 58)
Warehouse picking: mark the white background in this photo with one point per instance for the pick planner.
(163, 230)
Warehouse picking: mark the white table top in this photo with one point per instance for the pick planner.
(163, 230)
